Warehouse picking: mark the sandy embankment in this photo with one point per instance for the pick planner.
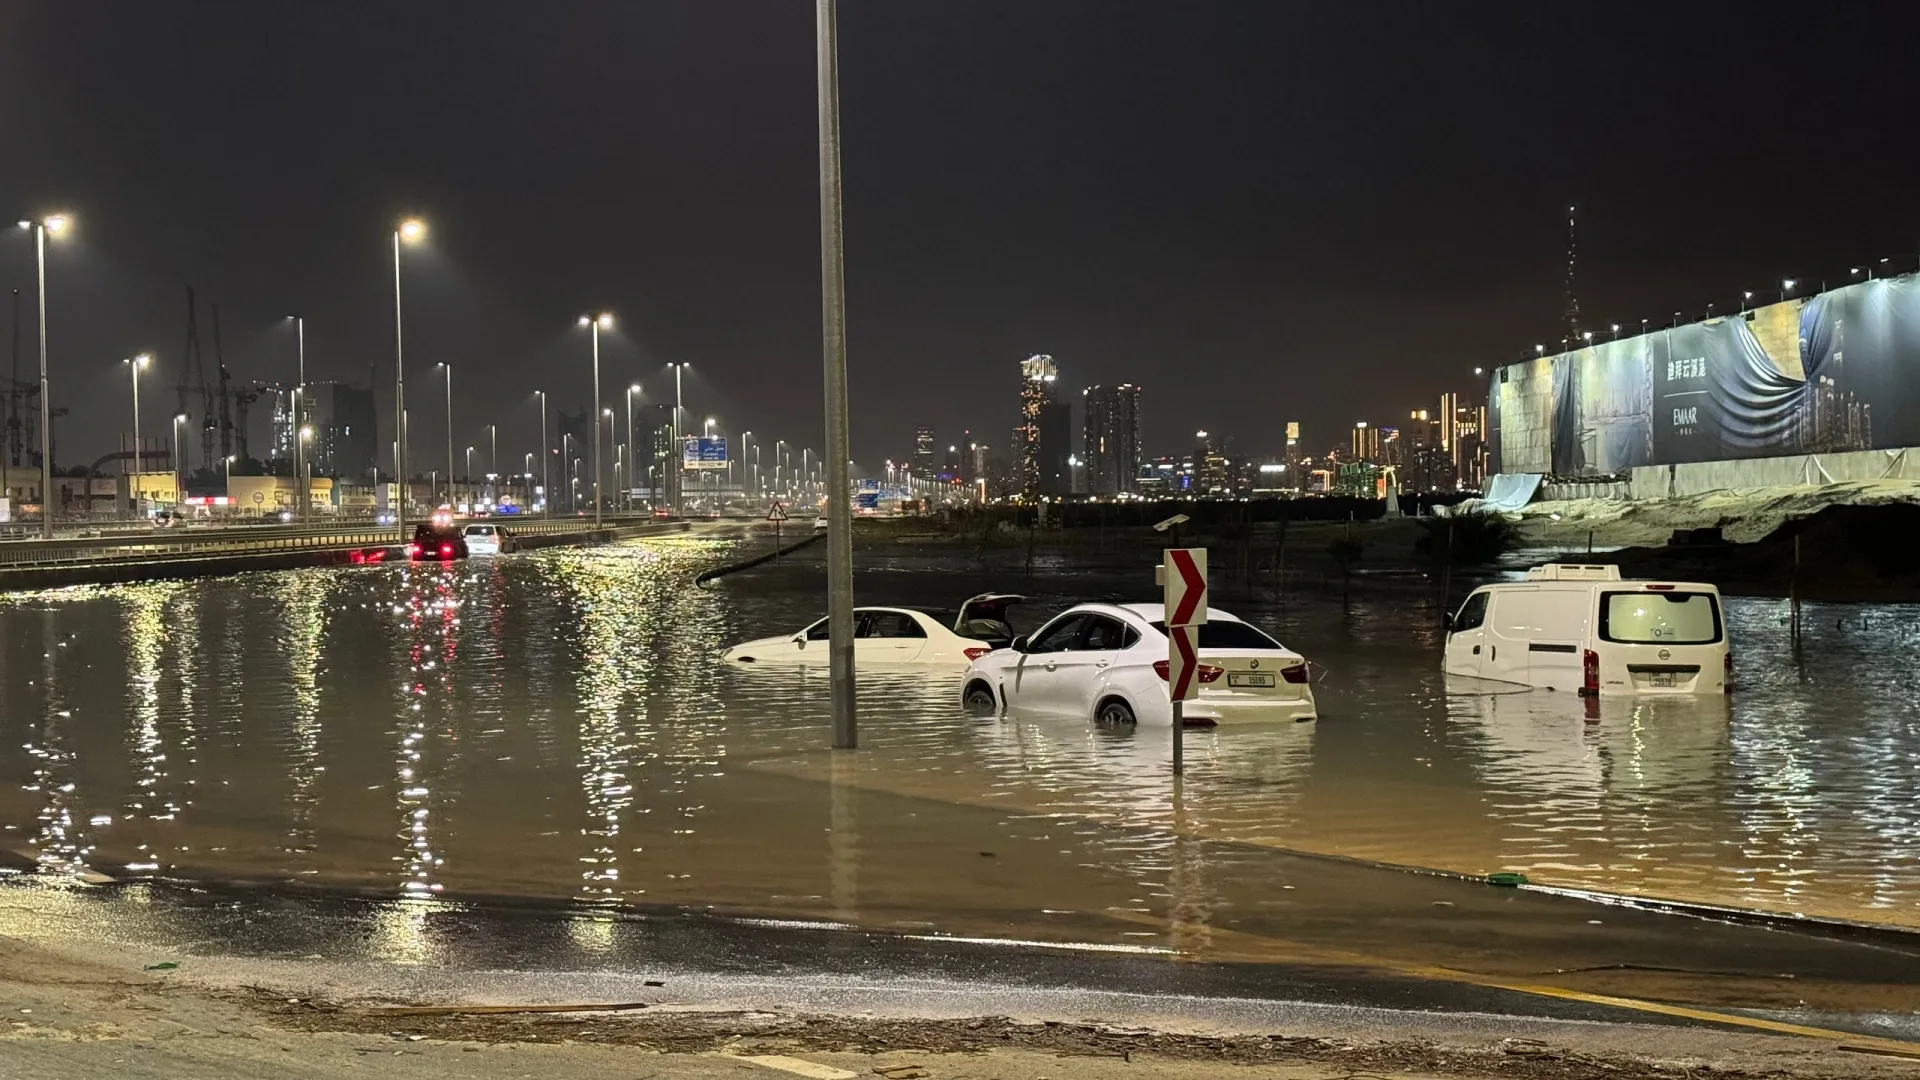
(1744, 515)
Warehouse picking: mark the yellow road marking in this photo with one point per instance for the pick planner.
(796, 1066)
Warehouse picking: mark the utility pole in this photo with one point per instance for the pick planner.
(833, 310)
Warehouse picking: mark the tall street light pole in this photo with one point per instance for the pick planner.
(546, 472)
(449, 367)
(134, 364)
(409, 230)
(179, 472)
(55, 224)
(631, 390)
(677, 470)
(596, 323)
(304, 497)
(493, 460)
(833, 311)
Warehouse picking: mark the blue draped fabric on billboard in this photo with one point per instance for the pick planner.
(1834, 372)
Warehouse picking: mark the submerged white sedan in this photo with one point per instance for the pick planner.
(1108, 663)
(895, 635)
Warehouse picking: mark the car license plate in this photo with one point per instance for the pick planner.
(1660, 678)
(1249, 678)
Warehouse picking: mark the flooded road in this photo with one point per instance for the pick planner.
(553, 726)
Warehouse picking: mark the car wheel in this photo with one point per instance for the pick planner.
(1114, 713)
(980, 701)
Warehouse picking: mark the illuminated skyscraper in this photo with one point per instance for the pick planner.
(1035, 447)
(923, 464)
(1112, 438)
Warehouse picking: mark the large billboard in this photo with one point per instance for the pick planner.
(1834, 372)
(704, 452)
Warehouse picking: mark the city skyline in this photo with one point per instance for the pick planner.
(1199, 243)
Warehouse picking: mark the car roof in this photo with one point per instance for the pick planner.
(1151, 612)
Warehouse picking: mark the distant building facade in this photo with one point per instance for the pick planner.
(1112, 438)
(1043, 439)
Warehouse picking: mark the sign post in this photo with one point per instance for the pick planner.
(1183, 577)
(776, 514)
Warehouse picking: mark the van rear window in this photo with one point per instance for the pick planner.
(1660, 618)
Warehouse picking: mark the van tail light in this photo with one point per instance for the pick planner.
(1295, 674)
(1659, 588)
(1206, 673)
(1590, 673)
(976, 652)
(1726, 668)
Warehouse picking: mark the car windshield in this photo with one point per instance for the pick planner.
(1229, 635)
(1660, 618)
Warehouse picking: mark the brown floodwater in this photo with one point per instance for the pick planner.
(554, 726)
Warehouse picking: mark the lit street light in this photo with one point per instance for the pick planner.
(301, 494)
(54, 224)
(675, 474)
(449, 370)
(179, 471)
(631, 391)
(596, 323)
(134, 364)
(546, 472)
(411, 231)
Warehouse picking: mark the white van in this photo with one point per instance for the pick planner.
(1570, 626)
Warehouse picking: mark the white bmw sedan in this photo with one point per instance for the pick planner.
(1108, 663)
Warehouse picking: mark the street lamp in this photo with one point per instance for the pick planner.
(54, 225)
(411, 231)
(449, 369)
(546, 472)
(179, 471)
(134, 364)
(470, 453)
(493, 460)
(631, 391)
(676, 474)
(300, 417)
(596, 323)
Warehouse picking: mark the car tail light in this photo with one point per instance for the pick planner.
(1206, 672)
(977, 652)
(1660, 588)
(1590, 672)
(1295, 674)
(413, 551)
(357, 557)
(446, 550)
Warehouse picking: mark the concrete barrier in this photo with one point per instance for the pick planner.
(1800, 470)
(189, 563)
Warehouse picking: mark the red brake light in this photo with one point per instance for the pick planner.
(1295, 674)
(413, 550)
(1206, 672)
(357, 557)
(446, 549)
(1590, 672)
(1660, 588)
(976, 653)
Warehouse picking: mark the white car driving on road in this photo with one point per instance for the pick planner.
(895, 635)
(1108, 663)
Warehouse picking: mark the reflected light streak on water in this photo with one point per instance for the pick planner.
(553, 725)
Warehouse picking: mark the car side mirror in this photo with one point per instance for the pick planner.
(799, 641)
(1018, 644)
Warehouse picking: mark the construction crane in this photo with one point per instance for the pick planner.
(193, 367)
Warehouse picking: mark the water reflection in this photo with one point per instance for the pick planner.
(554, 725)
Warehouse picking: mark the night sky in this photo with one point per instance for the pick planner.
(1259, 211)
